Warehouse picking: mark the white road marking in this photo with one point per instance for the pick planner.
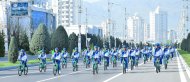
(62, 75)
(181, 73)
(118, 75)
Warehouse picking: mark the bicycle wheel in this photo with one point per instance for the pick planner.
(25, 70)
(40, 67)
(19, 71)
(54, 70)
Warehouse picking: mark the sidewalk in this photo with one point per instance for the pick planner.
(30, 57)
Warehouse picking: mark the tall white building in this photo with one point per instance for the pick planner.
(146, 32)
(172, 36)
(158, 26)
(135, 29)
(66, 11)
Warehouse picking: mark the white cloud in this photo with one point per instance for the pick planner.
(91, 1)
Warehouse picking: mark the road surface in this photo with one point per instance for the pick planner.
(143, 73)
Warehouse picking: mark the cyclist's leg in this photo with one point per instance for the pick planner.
(161, 59)
(121, 59)
(107, 60)
(155, 57)
(57, 62)
(126, 62)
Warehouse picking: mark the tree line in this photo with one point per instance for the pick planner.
(41, 39)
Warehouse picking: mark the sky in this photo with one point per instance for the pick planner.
(97, 10)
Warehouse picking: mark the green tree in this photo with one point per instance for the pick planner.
(2, 47)
(59, 38)
(83, 41)
(23, 41)
(13, 50)
(112, 40)
(73, 42)
(125, 43)
(118, 43)
(100, 42)
(40, 39)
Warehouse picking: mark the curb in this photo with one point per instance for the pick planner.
(15, 67)
(187, 68)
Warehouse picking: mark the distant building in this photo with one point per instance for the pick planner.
(66, 11)
(135, 29)
(158, 26)
(172, 36)
(146, 32)
(96, 30)
(38, 12)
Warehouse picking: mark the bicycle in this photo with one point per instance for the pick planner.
(124, 66)
(136, 61)
(105, 64)
(75, 66)
(87, 62)
(114, 61)
(165, 62)
(95, 66)
(56, 69)
(64, 63)
(157, 65)
(22, 68)
(42, 66)
(132, 63)
(145, 58)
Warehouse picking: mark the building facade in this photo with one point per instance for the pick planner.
(158, 26)
(90, 29)
(146, 32)
(135, 29)
(38, 12)
(66, 11)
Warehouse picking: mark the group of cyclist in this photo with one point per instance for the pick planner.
(108, 56)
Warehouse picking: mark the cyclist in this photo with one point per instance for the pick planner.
(172, 50)
(145, 53)
(96, 55)
(137, 53)
(57, 58)
(124, 56)
(106, 56)
(64, 54)
(115, 53)
(42, 56)
(23, 57)
(167, 52)
(158, 53)
(132, 54)
(75, 55)
(88, 55)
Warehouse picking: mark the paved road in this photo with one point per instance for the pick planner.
(143, 73)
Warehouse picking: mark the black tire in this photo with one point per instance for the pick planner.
(124, 70)
(165, 66)
(93, 72)
(97, 70)
(58, 71)
(54, 71)
(131, 65)
(62, 65)
(156, 69)
(66, 65)
(40, 69)
(45, 68)
(19, 71)
(25, 70)
(76, 67)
